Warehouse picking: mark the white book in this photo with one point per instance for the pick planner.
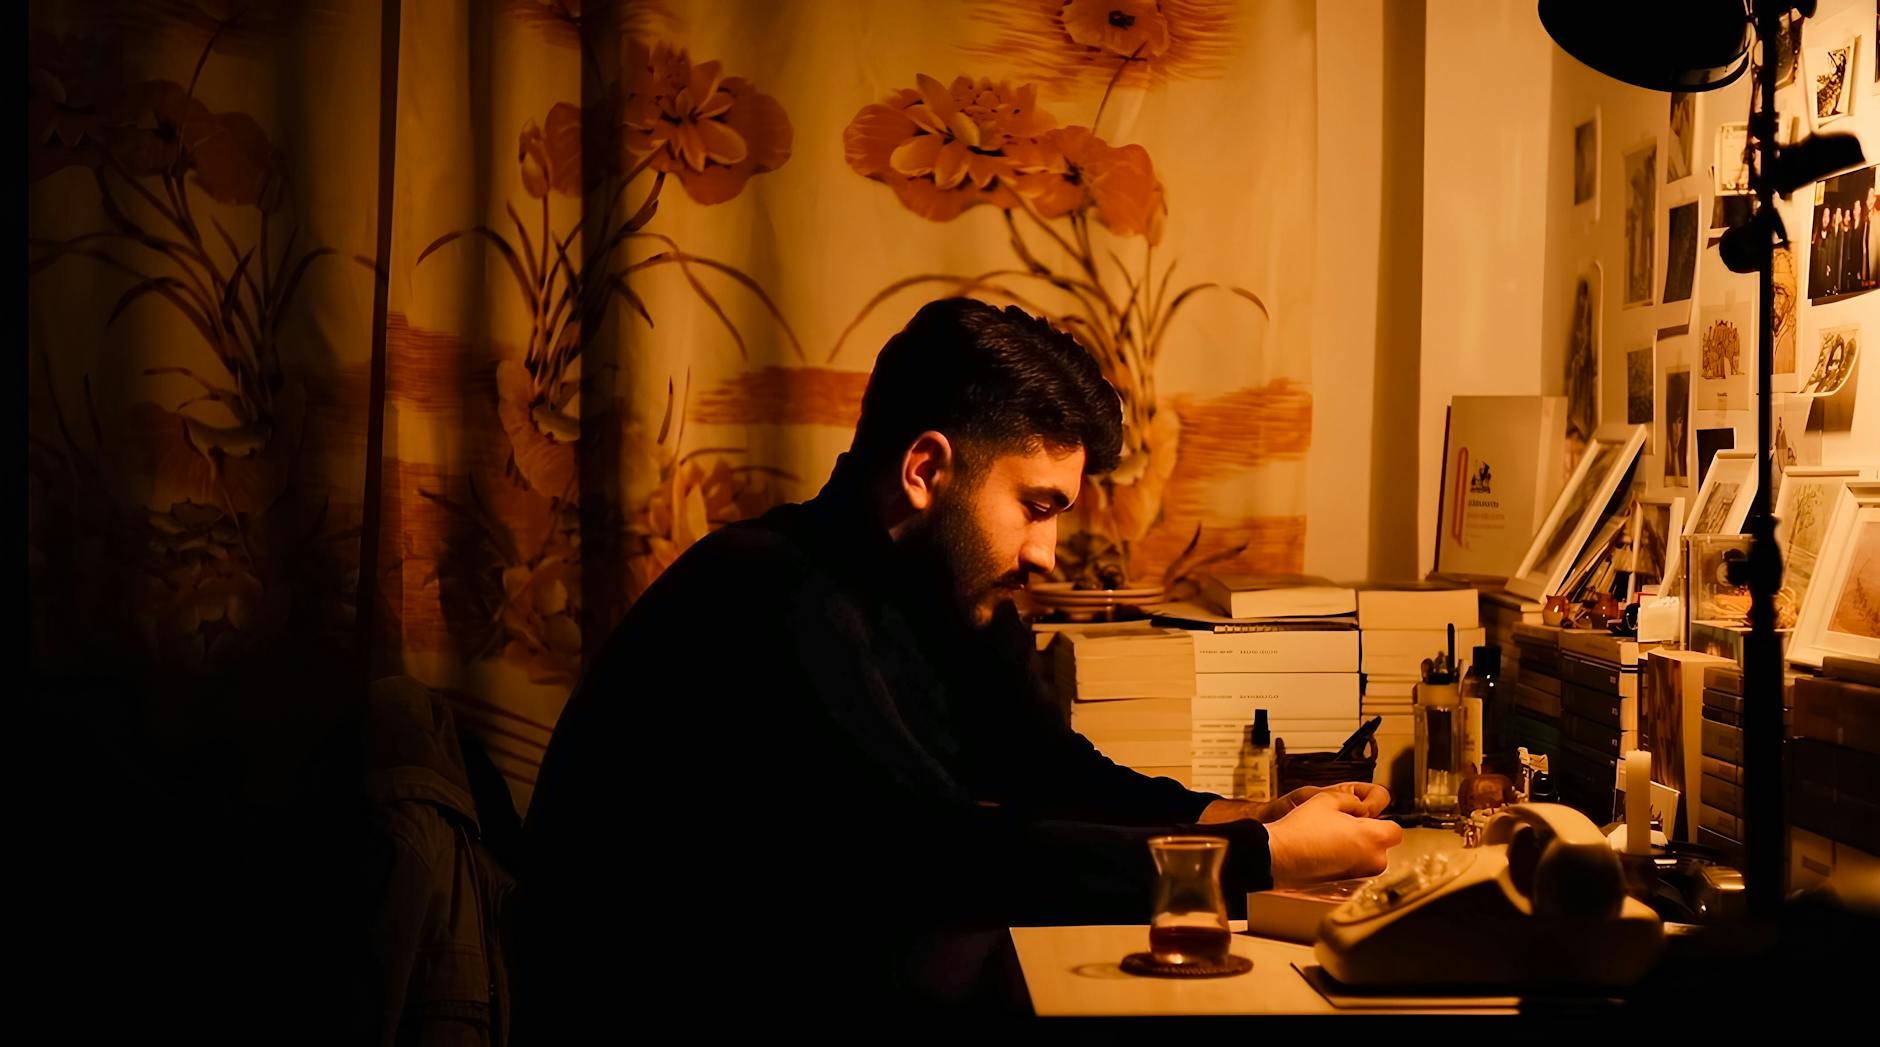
(1400, 652)
(1226, 696)
(1418, 605)
(1278, 651)
(1268, 596)
(1140, 712)
(1501, 471)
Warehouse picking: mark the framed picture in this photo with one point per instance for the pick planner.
(1656, 520)
(1582, 502)
(1803, 503)
(1586, 168)
(1641, 205)
(1721, 506)
(1841, 614)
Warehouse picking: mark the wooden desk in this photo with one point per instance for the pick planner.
(1072, 971)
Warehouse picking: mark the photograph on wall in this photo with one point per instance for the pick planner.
(1648, 550)
(1680, 252)
(1638, 387)
(1782, 368)
(1709, 442)
(1677, 445)
(1732, 163)
(1641, 193)
(1583, 357)
(1725, 352)
(1683, 140)
(1844, 241)
(1831, 75)
(1726, 213)
(1586, 167)
(1837, 351)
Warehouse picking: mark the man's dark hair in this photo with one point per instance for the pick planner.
(995, 381)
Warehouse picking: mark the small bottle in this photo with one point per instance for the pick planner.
(1253, 775)
(1478, 703)
(1438, 748)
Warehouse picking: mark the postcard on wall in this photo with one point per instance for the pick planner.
(1681, 153)
(1582, 360)
(1831, 69)
(1732, 162)
(1586, 168)
(1726, 349)
(1793, 444)
(1638, 389)
(1680, 266)
(1844, 240)
(1728, 212)
(1641, 193)
(1835, 352)
(1675, 450)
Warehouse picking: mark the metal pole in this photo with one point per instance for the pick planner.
(1763, 779)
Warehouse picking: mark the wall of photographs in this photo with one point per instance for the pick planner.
(1641, 321)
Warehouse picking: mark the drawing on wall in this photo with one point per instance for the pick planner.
(1844, 240)
(1641, 189)
(1583, 357)
(1789, 48)
(1831, 80)
(1677, 451)
(1680, 252)
(1783, 359)
(1683, 136)
(1586, 166)
(1724, 354)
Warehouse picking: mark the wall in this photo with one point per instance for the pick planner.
(1365, 337)
(1485, 165)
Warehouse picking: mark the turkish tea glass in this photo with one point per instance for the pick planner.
(1190, 922)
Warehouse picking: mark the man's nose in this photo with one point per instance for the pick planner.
(1040, 550)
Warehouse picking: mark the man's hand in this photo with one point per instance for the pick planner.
(1331, 835)
(1373, 799)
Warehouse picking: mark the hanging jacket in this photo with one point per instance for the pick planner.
(437, 946)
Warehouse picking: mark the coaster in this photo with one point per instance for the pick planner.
(1147, 965)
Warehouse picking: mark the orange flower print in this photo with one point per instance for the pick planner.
(230, 154)
(1134, 28)
(551, 159)
(1069, 169)
(712, 131)
(945, 148)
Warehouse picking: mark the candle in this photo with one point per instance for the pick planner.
(1638, 802)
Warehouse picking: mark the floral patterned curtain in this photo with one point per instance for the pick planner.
(641, 256)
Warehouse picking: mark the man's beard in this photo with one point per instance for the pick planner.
(952, 552)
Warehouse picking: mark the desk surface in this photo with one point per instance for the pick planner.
(1073, 971)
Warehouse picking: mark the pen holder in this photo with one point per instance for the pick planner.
(1297, 769)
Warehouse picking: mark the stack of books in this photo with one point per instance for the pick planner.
(1501, 611)
(1535, 725)
(1130, 692)
(1289, 646)
(1834, 785)
(1400, 625)
(1599, 687)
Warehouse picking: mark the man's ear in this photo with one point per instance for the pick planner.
(927, 465)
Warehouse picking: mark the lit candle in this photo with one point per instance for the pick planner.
(1638, 802)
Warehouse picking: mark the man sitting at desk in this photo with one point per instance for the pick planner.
(819, 729)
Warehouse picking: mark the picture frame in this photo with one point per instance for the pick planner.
(1733, 475)
(1583, 180)
(1841, 614)
(1577, 510)
(1804, 500)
